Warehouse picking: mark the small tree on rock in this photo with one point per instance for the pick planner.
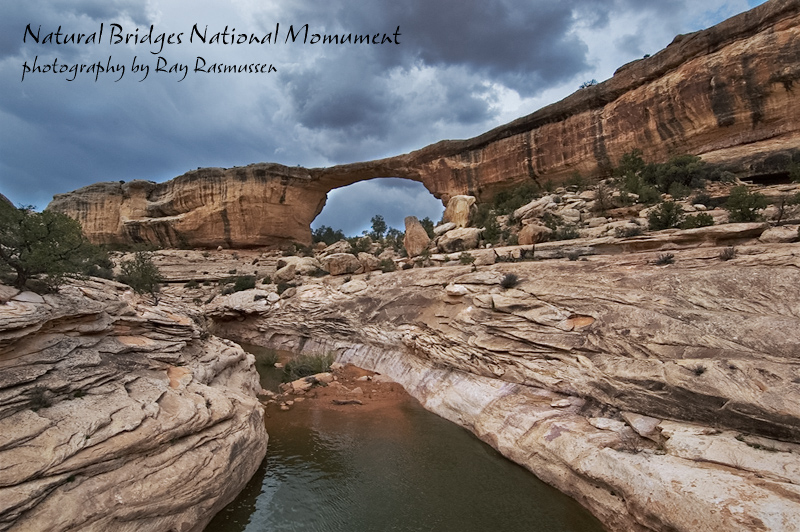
(48, 245)
(141, 274)
(744, 205)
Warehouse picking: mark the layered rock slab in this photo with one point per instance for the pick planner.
(119, 416)
(636, 389)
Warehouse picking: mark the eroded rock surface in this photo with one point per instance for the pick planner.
(726, 93)
(119, 416)
(660, 397)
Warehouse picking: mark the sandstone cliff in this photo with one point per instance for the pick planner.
(660, 397)
(726, 93)
(119, 416)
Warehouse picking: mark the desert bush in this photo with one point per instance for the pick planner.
(359, 244)
(282, 287)
(602, 199)
(305, 365)
(266, 280)
(693, 221)
(703, 198)
(388, 265)
(491, 229)
(728, 253)
(565, 232)
(664, 258)
(627, 231)
(509, 200)
(192, 284)
(326, 234)
(744, 205)
(244, 282)
(141, 274)
(465, 258)
(509, 280)
(665, 216)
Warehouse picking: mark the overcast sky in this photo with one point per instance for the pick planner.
(461, 67)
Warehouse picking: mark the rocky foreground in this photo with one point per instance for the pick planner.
(662, 397)
(115, 415)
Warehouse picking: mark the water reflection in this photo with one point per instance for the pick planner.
(397, 468)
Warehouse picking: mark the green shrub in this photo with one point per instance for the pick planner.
(744, 205)
(665, 216)
(688, 171)
(427, 224)
(282, 287)
(703, 198)
(267, 280)
(679, 191)
(141, 274)
(388, 265)
(649, 195)
(576, 181)
(664, 258)
(244, 282)
(509, 280)
(565, 232)
(359, 244)
(305, 365)
(507, 201)
(728, 253)
(465, 258)
(326, 234)
(692, 221)
(491, 230)
(627, 232)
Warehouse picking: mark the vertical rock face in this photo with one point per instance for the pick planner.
(118, 416)
(457, 210)
(416, 240)
(726, 93)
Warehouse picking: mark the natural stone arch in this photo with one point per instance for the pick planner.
(720, 119)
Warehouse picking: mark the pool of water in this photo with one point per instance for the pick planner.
(396, 467)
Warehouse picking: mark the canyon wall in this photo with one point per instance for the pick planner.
(115, 415)
(726, 93)
(661, 398)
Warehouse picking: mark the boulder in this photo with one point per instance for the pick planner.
(303, 265)
(533, 234)
(356, 285)
(459, 240)
(342, 246)
(341, 263)
(416, 240)
(369, 262)
(458, 209)
(441, 229)
(285, 274)
(779, 235)
(535, 208)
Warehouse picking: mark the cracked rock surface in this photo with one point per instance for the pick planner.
(115, 415)
(660, 397)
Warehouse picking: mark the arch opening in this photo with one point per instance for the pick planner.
(350, 208)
